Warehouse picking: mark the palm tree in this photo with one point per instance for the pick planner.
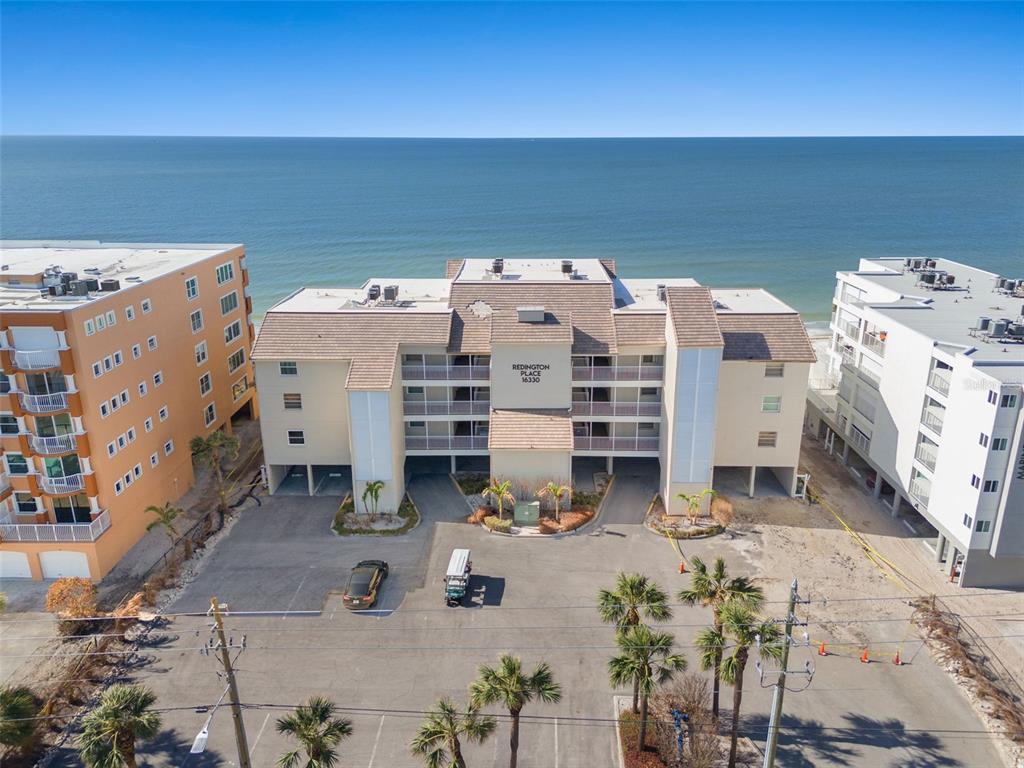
(317, 729)
(713, 589)
(555, 491)
(501, 493)
(165, 517)
(693, 502)
(645, 657)
(508, 686)
(109, 732)
(18, 708)
(634, 597)
(741, 630)
(438, 740)
(372, 492)
(212, 450)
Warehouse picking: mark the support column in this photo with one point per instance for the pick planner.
(453, 464)
(753, 481)
(608, 464)
(940, 548)
(877, 492)
(309, 479)
(846, 453)
(896, 499)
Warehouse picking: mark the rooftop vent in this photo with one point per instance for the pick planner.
(498, 266)
(110, 284)
(530, 314)
(78, 288)
(373, 293)
(566, 266)
(133, 279)
(662, 293)
(92, 283)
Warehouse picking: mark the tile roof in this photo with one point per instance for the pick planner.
(368, 339)
(452, 268)
(692, 313)
(535, 429)
(506, 328)
(633, 328)
(590, 305)
(776, 337)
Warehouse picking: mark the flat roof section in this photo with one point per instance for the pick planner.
(532, 271)
(414, 295)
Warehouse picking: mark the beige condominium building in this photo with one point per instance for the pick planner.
(114, 356)
(524, 366)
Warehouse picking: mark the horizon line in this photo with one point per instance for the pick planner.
(511, 138)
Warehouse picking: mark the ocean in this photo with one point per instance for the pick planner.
(784, 214)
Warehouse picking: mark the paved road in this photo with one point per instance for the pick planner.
(635, 484)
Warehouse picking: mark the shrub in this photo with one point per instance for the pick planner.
(573, 520)
(688, 693)
(18, 706)
(472, 483)
(71, 598)
(722, 511)
(478, 516)
(494, 524)
(585, 500)
(629, 725)
(547, 525)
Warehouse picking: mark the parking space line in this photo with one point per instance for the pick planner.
(289, 607)
(252, 749)
(556, 742)
(376, 741)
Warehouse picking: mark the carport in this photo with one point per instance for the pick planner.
(752, 481)
(331, 479)
(309, 479)
(288, 480)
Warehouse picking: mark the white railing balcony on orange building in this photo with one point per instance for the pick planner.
(54, 401)
(10, 531)
(37, 359)
(65, 484)
(55, 444)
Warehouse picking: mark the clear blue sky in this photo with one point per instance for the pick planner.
(503, 69)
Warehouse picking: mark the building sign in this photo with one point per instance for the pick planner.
(531, 373)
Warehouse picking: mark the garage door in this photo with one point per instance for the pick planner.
(14, 565)
(58, 564)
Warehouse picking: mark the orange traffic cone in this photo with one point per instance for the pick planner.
(896, 659)
(682, 566)
(821, 650)
(864, 657)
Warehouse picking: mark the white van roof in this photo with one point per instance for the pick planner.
(457, 565)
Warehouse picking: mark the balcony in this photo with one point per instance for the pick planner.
(55, 401)
(445, 443)
(874, 344)
(5, 482)
(938, 380)
(51, 446)
(416, 372)
(618, 372)
(61, 485)
(616, 444)
(849, 329)
(920, 489)
(446, 407)
(860, 441)
(55, 531)
(598, 408)
(926, 455)
(933, 418)
(37, 359)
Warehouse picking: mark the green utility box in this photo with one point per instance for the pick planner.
(527, 513)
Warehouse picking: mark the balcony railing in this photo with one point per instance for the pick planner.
(37, 359)
(446, 407)
(920, 489)
(55, 531)
(598, 408)
(5, 482)
(415, 372)
(926, 455)
(938, 380)
(874, 344)
(618, 372)
(55, 401)
(932, 419)
(625, 444)
(54, 445)
(850, 329)
(445, 443)
(860, 441)
(65, 484)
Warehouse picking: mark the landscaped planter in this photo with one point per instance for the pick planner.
(678, 526)
(585, 507)
(348, 522)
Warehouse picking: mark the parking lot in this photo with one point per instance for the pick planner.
(532, 597)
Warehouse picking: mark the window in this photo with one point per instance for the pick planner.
(191, 288)
(9, 425)
(124, 397)
(239, 388)
(236, 361)
(118, 487)
(993, 398)
(1008, 401)
(292, 402)
(17, 464)
(130, 434)
(101, 322)
(205, 384)
(991, 486)
(129, 312)
(162, 413)
(118, 358)
(210, 414)
(147, 306)
(122, 441)
(999, 444)
(196, 319)
(201, 353)
(168, 448)
(229, 302)
(158, 378)
(90, 327)
(975, 481)
(143, 389)
(296, 437)
(111, 448)
(154, 459)
(774, 370)
(289, 368)
(771, 404)
(767, 439)
(225, 272)
(97, 369)
(137, 470)
(151, 343)
(108, 363)
(983, 526)
(128, 479)
(968, 520)
(232, 331)
(114, 403)
(104, 409)
(983, 440)
(111, 318)
(148, 425)
(136, 351)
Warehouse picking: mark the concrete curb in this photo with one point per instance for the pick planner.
(561, 534)
(386, 532)
(619, 703)
(659, 534)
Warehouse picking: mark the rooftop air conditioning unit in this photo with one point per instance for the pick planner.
(566, 266)
(92, 283)
(662, 293)
(373, 293)
(110, 284)
(530, 314)
(498, 266)
(78, 288)
(390, 292)
(56, 290)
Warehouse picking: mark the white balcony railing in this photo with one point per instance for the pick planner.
(446, 407)
(37, 359)
(850, 329)
(932, 419)
(860, 441)
(55, 531)
(874, 344)
(618, 372)
(921, 489)
(55, 401)
(65, 484)
(415, 372)
(938, 380)
(625, 444)
(597, 408)
(54, 445)
(445, 443)
(926, 455)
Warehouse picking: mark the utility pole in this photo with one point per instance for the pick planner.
(236, 707)
(780, 683)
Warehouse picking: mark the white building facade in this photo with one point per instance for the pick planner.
(923, 390)
(521, 367)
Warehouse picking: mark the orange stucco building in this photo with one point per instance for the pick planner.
(114, 356)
